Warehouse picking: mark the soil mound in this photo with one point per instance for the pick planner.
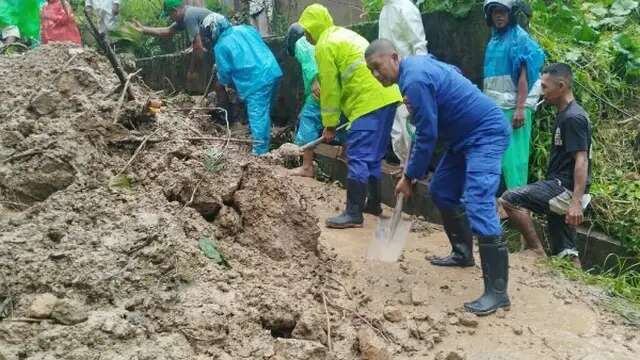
(122, 236)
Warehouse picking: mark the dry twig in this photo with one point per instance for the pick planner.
(326, 311)
(24, 154)
(138, 150)
(116, 113)
(216, 138)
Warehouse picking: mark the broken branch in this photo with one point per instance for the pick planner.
(116, 114)
(135, 154)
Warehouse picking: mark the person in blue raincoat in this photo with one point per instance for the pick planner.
(445, 105)
(244, 61)
(512, 65)
(309, 124)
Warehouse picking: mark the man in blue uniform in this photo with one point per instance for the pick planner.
(445, 105)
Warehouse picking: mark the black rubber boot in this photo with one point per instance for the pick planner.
(352, 216)
(494, 257)
(373, 198)
(456, 225)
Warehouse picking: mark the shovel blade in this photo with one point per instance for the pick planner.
(389, 240)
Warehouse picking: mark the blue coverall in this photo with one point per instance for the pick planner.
(243, 58)
(446, 105)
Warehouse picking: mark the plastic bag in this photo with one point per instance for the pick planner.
(58, 25)
(25, 14)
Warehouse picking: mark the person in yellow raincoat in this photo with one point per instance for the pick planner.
(348, 87)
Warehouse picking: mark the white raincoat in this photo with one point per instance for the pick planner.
(401, 23)
(103, 9)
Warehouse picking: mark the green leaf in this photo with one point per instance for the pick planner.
(120, 182)
(210, 250)
(598, 10)
(586, 34)
(623, 7)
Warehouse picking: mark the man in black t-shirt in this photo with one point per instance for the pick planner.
(569, 172)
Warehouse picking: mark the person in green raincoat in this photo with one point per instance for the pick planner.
(348, 87)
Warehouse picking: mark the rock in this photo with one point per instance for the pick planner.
(517, 330)
(419, 295)
(468, 320)
(132, 303)
(422, 316)
(501, 314)
(393, 314)
(310, 327)
(45, 103)
(69, 312)
(294, 349)
(454, 320)
(371, 347)
(11, 138)
(42, 306)
(451, 355)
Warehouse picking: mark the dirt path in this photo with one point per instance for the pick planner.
(550, 318)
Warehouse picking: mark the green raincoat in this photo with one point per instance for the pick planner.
(346, 83)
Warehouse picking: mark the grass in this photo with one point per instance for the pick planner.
(620, 282)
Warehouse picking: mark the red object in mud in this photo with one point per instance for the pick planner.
(58, 23)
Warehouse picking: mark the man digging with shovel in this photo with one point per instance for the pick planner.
(444, 104)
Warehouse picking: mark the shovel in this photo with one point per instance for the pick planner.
(289, 149)
(390, 236)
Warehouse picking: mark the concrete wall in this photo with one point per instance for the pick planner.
(458, 41)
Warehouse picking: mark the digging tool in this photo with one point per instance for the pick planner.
(317, 141)
(111, 56)
(391, 235)
(209, 84)
(289, 149)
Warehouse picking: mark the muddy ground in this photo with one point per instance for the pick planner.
(123, 236)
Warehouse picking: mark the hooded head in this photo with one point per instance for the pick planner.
(498, 13)
(173, 9)
(212, 26)
(294, 33)
(315, 19)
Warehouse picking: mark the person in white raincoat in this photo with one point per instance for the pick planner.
(401, 23)
(106, 11)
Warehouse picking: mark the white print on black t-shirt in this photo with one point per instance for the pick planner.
(557, 138)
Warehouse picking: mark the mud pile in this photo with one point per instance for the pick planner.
(103, 256)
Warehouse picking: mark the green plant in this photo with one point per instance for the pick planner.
(457, 8)
(600, 41)
(215, 160)
(621, 283)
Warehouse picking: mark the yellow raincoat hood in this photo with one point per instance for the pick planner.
(315, 19)
(346, 84)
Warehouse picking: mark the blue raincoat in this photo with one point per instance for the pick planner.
(244, 61)
(448, 106)
(506, 52)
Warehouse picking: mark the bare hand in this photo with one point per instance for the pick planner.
(315, 89)
(137, 25)
(574, 215)
(517, 121)
(329, 134)
(115, 10)
(404, 187)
